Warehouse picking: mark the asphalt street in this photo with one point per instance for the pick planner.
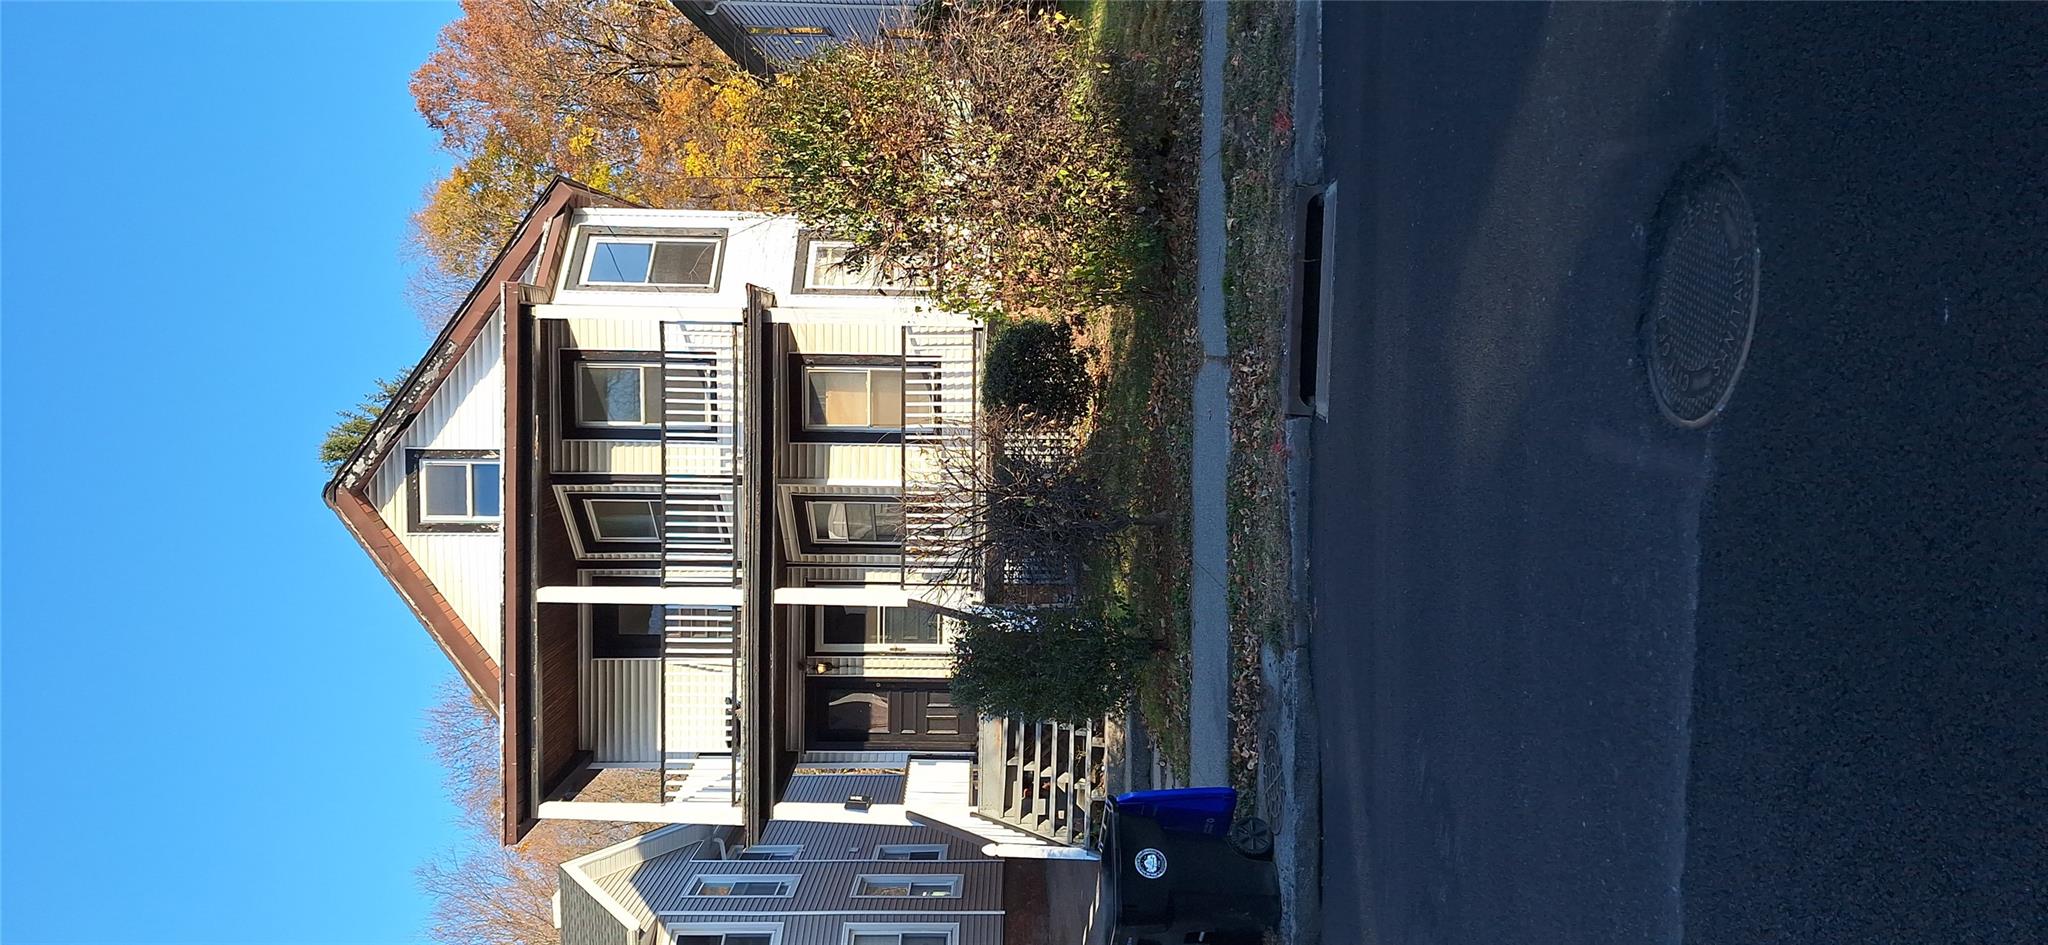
(1586, 676)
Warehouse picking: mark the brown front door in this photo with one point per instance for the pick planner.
(849, 713)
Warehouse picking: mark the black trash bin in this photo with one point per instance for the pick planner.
(1175, 871)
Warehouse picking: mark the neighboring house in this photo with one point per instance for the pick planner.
(803, 884)
(764, 36)
(659, 491)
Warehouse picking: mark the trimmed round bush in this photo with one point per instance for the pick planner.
(1033, 367)
(1052, 665)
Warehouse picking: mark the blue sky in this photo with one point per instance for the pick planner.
(212, 702)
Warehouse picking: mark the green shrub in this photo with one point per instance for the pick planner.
(1033, 367)
(1056, 665)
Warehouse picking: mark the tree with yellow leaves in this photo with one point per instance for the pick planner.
(625, 95)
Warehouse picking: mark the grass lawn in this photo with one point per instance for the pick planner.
(1146, 353)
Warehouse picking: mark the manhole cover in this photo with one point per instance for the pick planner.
(1703, 305)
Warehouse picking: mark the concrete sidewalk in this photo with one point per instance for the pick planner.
(1289, 787)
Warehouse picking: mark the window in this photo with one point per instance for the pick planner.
(914, 887)
(901, 933)
(727, 933)
(771, 851)
(617, 394)
(453, 490)
(779, 887)
(826, 270)
(690, 263)
(911, 851)
(788, 31)
(625, 631)
(855, 522)
(844, 629)
(852, 397)
(622, 520)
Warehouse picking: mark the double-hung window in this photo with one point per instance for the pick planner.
(855, 521)
(843, 629)
(775, 887)
(908, 886)
(454, 490)
(852, 397)
(727, 933)
(618, 394)
(901, 933)
(827, 268)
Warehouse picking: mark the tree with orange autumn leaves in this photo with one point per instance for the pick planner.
(625, 95)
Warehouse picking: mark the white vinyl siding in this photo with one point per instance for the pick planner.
(466, 412)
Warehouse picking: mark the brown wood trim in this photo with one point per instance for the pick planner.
(520, 735)
(762, 721)
(399, 567)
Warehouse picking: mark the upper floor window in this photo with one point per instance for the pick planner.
(824, 266)
(911, 851)
(625, 395)
(617, 394)
(727, 933)
(771, 851)
(788, 31)
(453, 490)
(853, 397)
(933, 886)
(641, 258)
(855, 522)
(901, 933)
(780, 887)
(623, 519)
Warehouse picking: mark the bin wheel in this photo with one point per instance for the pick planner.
(1252, 837)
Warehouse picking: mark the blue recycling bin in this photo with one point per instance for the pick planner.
(1178, 869)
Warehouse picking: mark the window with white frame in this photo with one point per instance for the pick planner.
(855, 521)
(852, 397)
(901, 933)
(911, 851)
(827, 269)
(842, 629)
(772, 851)
(727, 933)
(906, 886)
(623, 519)
(762, 886)
(454, 490)
(682, 262)
(618, 394)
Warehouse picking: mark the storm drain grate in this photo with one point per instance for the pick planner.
(1702, 311)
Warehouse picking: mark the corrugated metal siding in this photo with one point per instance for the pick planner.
(841, 463)
(624, 722)
(833, 788)
(825, 841)
(611, 334)
(467, 412)
(824, 886)
(639, 457)
(850, 337)
(831, 929)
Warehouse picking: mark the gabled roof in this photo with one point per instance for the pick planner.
(598, 902)
(347, 492)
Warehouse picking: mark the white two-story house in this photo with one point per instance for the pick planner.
(655, 490)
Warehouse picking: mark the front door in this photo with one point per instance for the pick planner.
(851, 713)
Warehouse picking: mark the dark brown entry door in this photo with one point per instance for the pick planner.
(853, 714)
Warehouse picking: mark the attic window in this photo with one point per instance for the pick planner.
(778, 887)
(788, 31)
(648, 259)
(453, 490)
